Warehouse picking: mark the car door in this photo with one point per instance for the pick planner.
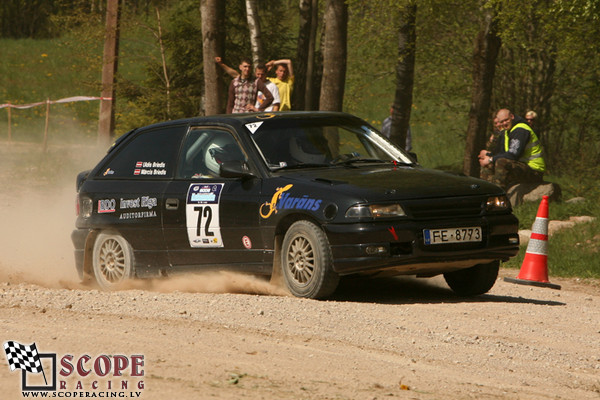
(127, 192)
(211, 221)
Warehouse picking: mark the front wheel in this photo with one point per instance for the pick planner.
(473, 281)
(112, 260)
(306, 261)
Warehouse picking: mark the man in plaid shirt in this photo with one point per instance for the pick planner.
(244, 89)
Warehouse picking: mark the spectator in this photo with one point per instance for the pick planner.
(261, 73)
(494, 139)
(518, 159)
(243, 91)
(284, 80)
(386, 130)
(530, 117)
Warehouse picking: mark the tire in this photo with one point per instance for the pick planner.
(306, 261)
(112, 260)
(473, 281)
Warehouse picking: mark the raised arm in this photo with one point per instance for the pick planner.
(230, 71)
(285, 61)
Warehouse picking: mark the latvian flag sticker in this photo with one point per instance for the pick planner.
(138, 165)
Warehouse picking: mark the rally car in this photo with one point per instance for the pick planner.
(304, 197)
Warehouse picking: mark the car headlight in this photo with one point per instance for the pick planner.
(497, 203)
(375, 211)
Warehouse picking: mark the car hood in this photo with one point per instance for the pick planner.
(376, 183)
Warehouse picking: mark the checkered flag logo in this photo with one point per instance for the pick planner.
(23, 357)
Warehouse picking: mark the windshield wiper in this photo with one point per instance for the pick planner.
(403, 164)
(302, 165)
(351, 161)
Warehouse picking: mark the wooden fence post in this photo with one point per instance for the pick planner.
(9, 108)
(45, 146)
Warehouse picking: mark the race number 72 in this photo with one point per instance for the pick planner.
(204, 213)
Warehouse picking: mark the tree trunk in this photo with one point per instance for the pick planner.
(163, 57)
(405, 71)
(106, 121)
(254, 28)
(301, 64)
(334, 57)
(213, 40)
(485, 54)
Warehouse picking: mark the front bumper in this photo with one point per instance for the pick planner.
(398, 247)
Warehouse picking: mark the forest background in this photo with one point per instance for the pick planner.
(547, 60)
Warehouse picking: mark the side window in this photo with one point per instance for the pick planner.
(150, 155)
(204, 150)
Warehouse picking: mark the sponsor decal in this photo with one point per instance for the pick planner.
(284, 201)
(153, 168)
(106, 206)
(68, 375)
(137, 215)
(202, 215)
(140, 202)
(247, 242)
(108, 172)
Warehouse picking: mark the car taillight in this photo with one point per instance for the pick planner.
(84, 207)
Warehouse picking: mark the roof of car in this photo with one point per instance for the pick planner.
(254, 117)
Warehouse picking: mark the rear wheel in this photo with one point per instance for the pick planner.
(306, 261)
(473, 281)
(112, 260)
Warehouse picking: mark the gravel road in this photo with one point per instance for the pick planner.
(393, 338)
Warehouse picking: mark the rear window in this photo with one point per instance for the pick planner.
(150, 155)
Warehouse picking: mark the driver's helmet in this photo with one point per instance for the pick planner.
(304, 151)
(221, 148)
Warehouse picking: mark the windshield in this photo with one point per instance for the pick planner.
(295, 143)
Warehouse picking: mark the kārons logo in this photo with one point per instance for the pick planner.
(283, 201)
(73, 371)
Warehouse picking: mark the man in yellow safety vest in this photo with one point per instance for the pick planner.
(518, 156)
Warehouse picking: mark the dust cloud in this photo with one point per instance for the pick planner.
(37, 208)
(209, 282)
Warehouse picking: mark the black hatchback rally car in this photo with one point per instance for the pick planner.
(304, 196)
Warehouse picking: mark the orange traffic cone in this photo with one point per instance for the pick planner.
(534, 270)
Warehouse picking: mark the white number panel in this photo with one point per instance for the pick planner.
(202, 215)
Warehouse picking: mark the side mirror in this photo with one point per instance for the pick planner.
(235, 169)
(413, 155)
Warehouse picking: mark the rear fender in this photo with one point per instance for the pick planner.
(88, 252)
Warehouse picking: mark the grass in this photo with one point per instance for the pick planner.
(32, 71)
(575, 251)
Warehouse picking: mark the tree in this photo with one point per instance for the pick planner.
(405, 71)
(305, 56)
(485, 54)
(255, 34)
(106, 121)
(213, 38)
(334, 56)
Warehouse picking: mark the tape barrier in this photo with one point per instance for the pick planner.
(65, 100)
